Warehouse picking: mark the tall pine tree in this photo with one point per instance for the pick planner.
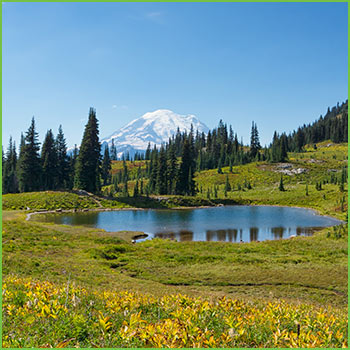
(9, 179)
(49, 162)
(63, 166)
(106, 167)
(30, 170)
(87, 172)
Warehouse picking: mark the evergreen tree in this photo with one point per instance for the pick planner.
(183, 186)
(299, 140)
(219, 166)
(284, 147)
(20, 156)
(227, 185)
(72, 161)
(281, 186)
(136, 189)
(63, 166)
(30, 170)
(148, 152)
(254, 141)
(114, 155)
(153, 171)
(125, 189)
(125, 175)
(172, 169)
(106, 167)
(9, 179)
(87, 174)
(161, 182)
(141, 187)
(49, 162)
(191, 184)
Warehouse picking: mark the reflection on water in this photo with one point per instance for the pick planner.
(182, 236)
(228, 224)
(278, 232)
(231, 235)
(253, 233)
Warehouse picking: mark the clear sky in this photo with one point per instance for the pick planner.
(279, 64)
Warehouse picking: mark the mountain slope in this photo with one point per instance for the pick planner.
(154, 127)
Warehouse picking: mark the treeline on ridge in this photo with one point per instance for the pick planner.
(169, 169)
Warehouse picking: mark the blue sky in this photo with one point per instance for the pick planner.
(280, 65)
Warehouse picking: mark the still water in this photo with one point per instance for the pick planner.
(229, 223)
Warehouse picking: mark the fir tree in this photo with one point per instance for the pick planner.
(63, 166)
(71, 166)
(153, 171)
(9, 179)
(219, 166)
(30, 170)
(254, 141)
(106, 167)
(113, 151)
(284, 148)
(136, 189)
(148, 152)
(281, 186)
(183, 185)
(141, 187)
(171, 169)
(161, 182)
(227, 185)
(87, 174)
(125, 189)
(49, 162)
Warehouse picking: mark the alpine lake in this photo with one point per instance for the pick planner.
(225, 223)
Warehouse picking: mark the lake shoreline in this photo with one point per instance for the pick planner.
(59, 211)
(136, 234)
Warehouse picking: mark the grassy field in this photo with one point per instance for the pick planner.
(77, 274)
(320, 165)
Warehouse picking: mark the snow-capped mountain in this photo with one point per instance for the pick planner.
(154, 127)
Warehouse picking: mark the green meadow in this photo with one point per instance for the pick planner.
(309, 270)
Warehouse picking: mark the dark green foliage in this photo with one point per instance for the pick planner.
(49, 162)
(318, 186)
(30, 171)
(171, 169)
(254, 141)
(106, 167)
(279, 148)
(113, 154)
(343, 179)
(125, 189)
(72, 160)
(184, 154)
(136, 189)
(161, 179)
(63, 167)
(87, 174)
(227, 185)
(184, 184)
(281, 186)
(9, 175)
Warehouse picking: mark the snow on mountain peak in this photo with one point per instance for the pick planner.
(155, 127)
